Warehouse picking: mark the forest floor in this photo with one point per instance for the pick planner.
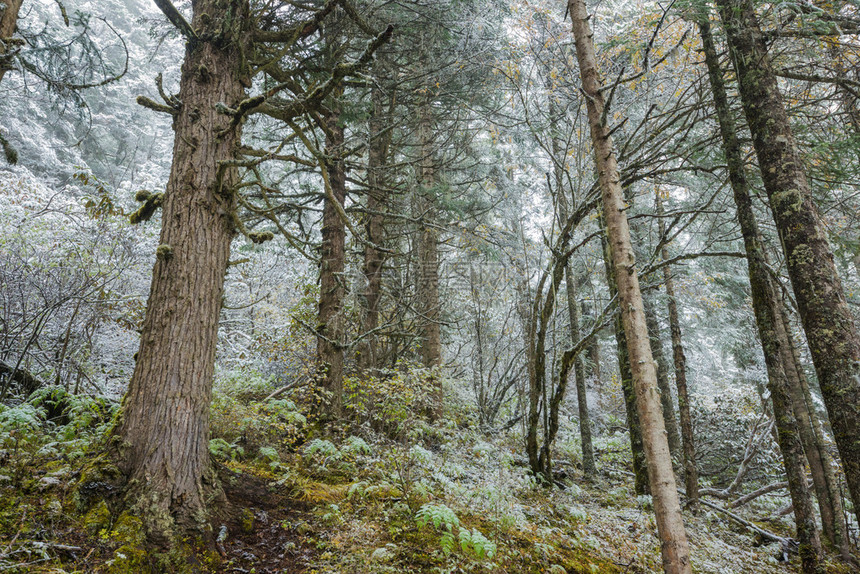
(444, 499)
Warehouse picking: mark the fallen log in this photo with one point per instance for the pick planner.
(25, 382)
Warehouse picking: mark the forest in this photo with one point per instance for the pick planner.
(430, 286)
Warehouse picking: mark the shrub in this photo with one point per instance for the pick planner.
(397, 403)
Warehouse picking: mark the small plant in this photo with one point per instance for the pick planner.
(356, 445)
(439, 515)
(475, 543)
(322, 448)
(471, 542)
(223, 450)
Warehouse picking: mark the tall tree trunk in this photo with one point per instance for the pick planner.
(691, 473)
(164, 424)
(767, 314)
(374, 258)
(428, 250)
(656, 340)
(667, 507)
(625, 375)
(827, 320)
(588, 467)
(332, 260)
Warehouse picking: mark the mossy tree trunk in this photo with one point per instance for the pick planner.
(768, 318)
(9, 10)
(332, 262)
(827, 320)
(163, 429)
(667, 507)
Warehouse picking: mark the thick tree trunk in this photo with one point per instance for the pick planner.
(656, 339)
(827, 320)
(691, 473)
(625, 376)
(8, 23)
(374, 258)
(667, 507)
(332, 261)
(768, 317)
(164, 423)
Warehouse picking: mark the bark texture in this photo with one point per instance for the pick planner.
(768, 317)
(811, 435)
(640, 468)
(374, 258)
(428, 251)
(332, 261)
(667, 508)
(8, 24)
(9, 10)
(824, 312)
(164, 422)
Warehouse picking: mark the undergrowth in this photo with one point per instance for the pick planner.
(397, 487)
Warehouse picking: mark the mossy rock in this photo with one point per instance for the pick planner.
(98, 481)
(128, 529)
(129, 558)
(246, 521)
(132, 554)
(97, 518)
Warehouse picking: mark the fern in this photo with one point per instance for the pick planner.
(269, 453)
(439, 515)
(471, 542)
(321, 447)
(474, 542)
(221, 449)
(447, 543)
(356, 445)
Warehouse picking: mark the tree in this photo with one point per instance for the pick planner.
(163, 429)
(679, 360)
(162, 433)
(827, 320)
(675, 552)
(768, 317)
